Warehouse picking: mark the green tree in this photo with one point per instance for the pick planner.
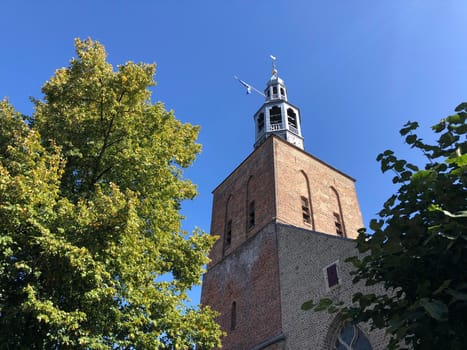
(92, 251)
(418, 246)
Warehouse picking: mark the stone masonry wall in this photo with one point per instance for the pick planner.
(303, 256)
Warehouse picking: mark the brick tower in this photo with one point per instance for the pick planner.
(286, 221)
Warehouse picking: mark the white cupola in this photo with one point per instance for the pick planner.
(277, 116)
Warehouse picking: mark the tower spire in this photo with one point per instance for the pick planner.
(277, 116)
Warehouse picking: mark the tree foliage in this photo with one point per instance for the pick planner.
(92, 253)
(417, 248)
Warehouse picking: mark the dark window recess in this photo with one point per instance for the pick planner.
(228, 233)
(269, 93)
(233, 316)
(274, 90)
(251, 214)
(282, 92)
(260, 122)
(275, 115)
(306, 213)
(292, 117)
(338, 223)
(331, 272)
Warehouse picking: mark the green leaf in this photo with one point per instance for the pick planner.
(442, 287)
(439, 127)
(461, 107)
(323, 304)
(308, 305)
(408, 127)
(453, 119)
(447, 139)
(376, 225)
(460, 161)
(412, 167)
(410, 139)
(435, 308)
(457, 295)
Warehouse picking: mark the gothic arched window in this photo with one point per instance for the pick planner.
(305, 201)
(350, 337)
(338, 215)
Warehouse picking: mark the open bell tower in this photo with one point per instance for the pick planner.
(277, 116)
(286, 221)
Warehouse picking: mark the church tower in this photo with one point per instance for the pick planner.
(286, 221)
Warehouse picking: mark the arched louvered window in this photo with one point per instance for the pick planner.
(305, 201)
(337, 215)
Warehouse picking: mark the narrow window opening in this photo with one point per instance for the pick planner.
(292, 118)
(261, 122)
(228, 233)
(251, 214)
(338, 224)
(233, 316)
(338, 217)
(275, 116)
(274, 90)
(306, 213)
(332, 276)
(282, 92)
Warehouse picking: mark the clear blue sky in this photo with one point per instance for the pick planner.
(357, 69)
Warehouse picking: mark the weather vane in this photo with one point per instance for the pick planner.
(249, 87)
(274, 69)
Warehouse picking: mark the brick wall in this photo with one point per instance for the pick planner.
(250, 278)
(253, 179)
(275, 176)
(297, 174)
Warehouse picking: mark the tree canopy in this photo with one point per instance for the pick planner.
(92, 251)
(417, 248)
